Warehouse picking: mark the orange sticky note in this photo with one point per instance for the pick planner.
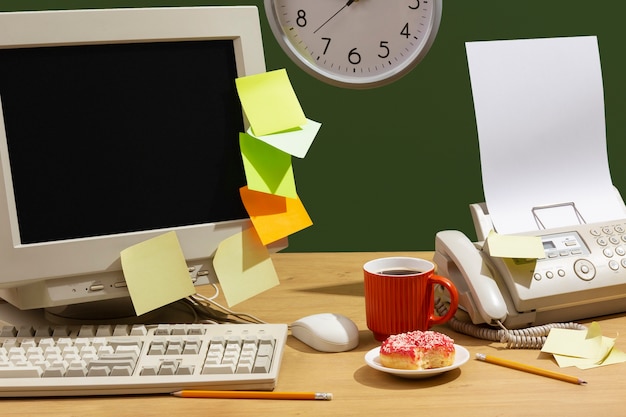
(274, 217)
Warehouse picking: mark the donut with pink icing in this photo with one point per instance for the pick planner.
(417, 350)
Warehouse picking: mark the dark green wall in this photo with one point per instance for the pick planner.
(392, 166)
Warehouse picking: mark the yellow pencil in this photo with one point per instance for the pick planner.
(528, 368)
(255, 395)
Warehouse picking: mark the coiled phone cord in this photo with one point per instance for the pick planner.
(529, 338)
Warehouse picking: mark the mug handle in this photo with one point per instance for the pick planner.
(454, 300)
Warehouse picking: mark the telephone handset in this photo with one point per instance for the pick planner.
(456, 256)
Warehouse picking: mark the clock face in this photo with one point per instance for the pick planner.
(355, 43)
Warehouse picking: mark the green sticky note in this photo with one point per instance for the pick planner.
(269, 102)
(268, 169)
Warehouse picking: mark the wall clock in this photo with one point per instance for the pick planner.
(355, 43)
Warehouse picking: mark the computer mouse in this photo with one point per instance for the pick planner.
(326, 332)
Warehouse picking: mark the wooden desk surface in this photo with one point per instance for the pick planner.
(332, 282)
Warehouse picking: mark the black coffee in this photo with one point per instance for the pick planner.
(400, 271)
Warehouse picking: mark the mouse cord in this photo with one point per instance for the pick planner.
(529, 338)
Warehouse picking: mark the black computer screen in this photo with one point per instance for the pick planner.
(106, 139)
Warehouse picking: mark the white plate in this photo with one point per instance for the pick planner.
(372, 358)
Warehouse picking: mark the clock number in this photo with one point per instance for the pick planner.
(327, 45)
(405, 31)
(301, 19)
(383, 45)
(417, 5)
(354, 57)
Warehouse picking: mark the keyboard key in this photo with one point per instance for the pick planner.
(76, 371)
(8, 331)
(157, 348)
(43, 331)
(138, 330)
(60, 331)
(261, 365)
(54, 372)
(104, 331)
(192, 347)
(25, 331)
(179, 329)
(87, 330)
(149, 371)
(245, 367)
(99, 371)
(121, 371)
(162, 330)
(168, 368)
(185, 370)
(121, 330)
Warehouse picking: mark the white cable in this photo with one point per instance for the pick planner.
(242, 316)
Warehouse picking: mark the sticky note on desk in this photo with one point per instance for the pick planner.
(156, 273)
(510, 246)
(269, 102)
(582, 348)
(274, 217)
(243, 267)
(268, 170)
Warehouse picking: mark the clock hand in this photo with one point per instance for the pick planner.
(338, 11)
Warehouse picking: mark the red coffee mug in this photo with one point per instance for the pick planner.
(400, 296)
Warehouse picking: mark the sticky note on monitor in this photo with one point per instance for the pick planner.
(274, 217)
(269, 102)
(243, 267)
(296, 141)
(156, 273)
(267, 169)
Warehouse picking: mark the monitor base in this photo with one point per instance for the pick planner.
(117, 311)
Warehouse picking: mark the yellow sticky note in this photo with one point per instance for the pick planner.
(243, 267)
(269, 102)
(268, 170)
(274, 217)
(156, 273)
(588, 344)
(296, 141)
(614, 356)
(510, 246)
(582, 348)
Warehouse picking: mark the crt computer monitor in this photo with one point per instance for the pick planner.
(117, 125)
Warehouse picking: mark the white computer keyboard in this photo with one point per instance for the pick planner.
(138, 359)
